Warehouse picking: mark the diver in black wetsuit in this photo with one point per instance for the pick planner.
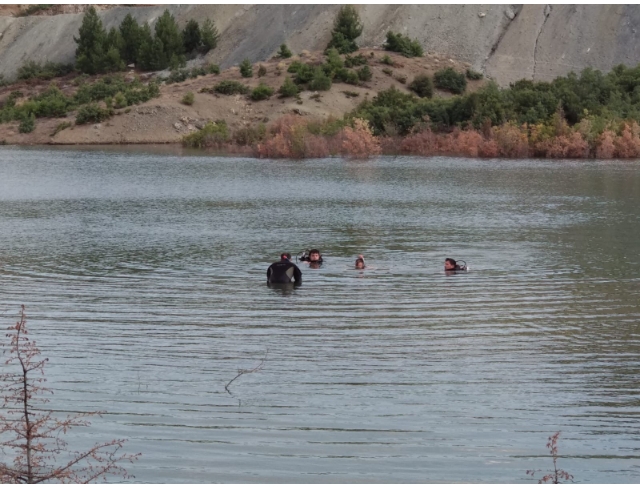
(284, 271)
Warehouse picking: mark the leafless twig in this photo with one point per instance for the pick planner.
(247, 371)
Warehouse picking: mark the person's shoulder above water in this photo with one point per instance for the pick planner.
(284, 271)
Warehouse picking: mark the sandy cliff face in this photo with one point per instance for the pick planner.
(506, 42)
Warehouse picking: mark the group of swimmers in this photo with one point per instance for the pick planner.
(286, 272)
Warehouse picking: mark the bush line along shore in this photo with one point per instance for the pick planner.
(347, 101)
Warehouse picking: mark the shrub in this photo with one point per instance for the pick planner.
(92, 113)
(304, 74)
(177, 76)
(59, 128)
(347, 76)
(294, 67)
(119, 100)
(320, 81)
(386, 59)
(359, 142)
(246, 69)
(448, 79)
(231, 87)
(261, 71)
(401, 78)
(353, 61)
(261, 92)
(473, 75)
(422, 86)
(248, 136)
(403, 45)
(284, 52)
(33, 9)
(351, 94)
(212, 135)
(28, 124)
(188, 98)
(47, 71)
(365, 74)
(334, 61)
(288, 88)
(346, 29)
(212, 68)
(387, 71)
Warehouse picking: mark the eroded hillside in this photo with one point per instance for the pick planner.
(505, 42)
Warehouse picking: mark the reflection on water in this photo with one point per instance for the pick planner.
(144, 279)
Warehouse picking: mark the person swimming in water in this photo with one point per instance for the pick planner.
(360, 262)
(284, 271)
(450, 265)
(313, 256)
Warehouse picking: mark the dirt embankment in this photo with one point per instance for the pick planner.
(167, 120)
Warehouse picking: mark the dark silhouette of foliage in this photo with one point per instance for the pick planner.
(422, 86)
(191, 36)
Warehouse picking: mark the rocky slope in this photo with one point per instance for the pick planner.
(506, 42)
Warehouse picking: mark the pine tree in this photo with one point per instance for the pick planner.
(210, 35)
(168, 33)
(91, 38)
(191, 36)
(131, 34)
(346, 29)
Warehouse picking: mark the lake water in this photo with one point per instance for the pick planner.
(143, 274)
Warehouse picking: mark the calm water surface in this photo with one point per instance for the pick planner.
(144, 279)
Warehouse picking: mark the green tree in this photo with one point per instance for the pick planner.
(284, 52)
(288, 88)
(346, 29)
(151, 55)
(246, 69)
(90, 53)
(167, 31)
(320, 81)
(191, 36)
(210, 35)
(131, 34)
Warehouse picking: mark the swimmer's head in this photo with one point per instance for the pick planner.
(449, 264)
(360, 263)
(285, 256)
(314, 255)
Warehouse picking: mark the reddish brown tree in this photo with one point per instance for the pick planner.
(32, 437)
